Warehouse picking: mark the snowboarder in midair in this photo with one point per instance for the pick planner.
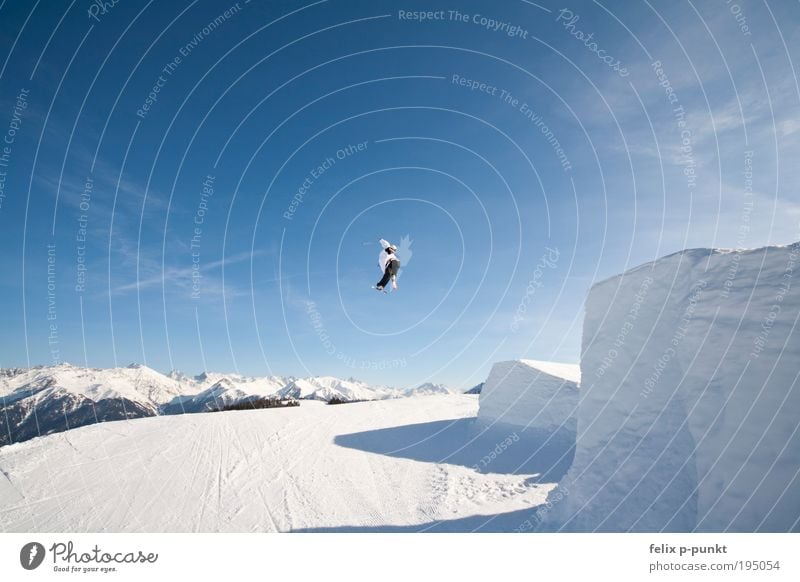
(389, 264)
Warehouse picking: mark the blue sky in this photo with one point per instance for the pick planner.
(523, 150)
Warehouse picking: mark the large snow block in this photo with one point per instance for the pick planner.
(532, 394)
(690, 398)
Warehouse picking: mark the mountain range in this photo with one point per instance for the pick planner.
(46, 399)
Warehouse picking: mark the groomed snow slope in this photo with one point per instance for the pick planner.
(538, 395)
(690, 398)
(400, 463)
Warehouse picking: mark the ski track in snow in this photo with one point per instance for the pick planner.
(262, 470)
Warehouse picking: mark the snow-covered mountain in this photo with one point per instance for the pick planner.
(49, 399)
(46, 399)
(136, 382)
(216, 397)
(328, 387)
(427, 389)
(216, 391)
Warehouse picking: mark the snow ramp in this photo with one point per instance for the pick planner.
(690, 398)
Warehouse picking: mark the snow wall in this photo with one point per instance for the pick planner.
(537, 395)
(690, 398)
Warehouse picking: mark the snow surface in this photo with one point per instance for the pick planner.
(690, 400)
(402, 464)
(531, 393)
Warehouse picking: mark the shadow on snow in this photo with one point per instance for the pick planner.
(501, 449)
(497, 449)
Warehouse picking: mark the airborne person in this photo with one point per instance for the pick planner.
(389, 264)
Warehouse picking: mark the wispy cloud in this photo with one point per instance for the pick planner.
(179, 279)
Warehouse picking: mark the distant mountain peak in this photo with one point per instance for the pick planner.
(428, 388)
